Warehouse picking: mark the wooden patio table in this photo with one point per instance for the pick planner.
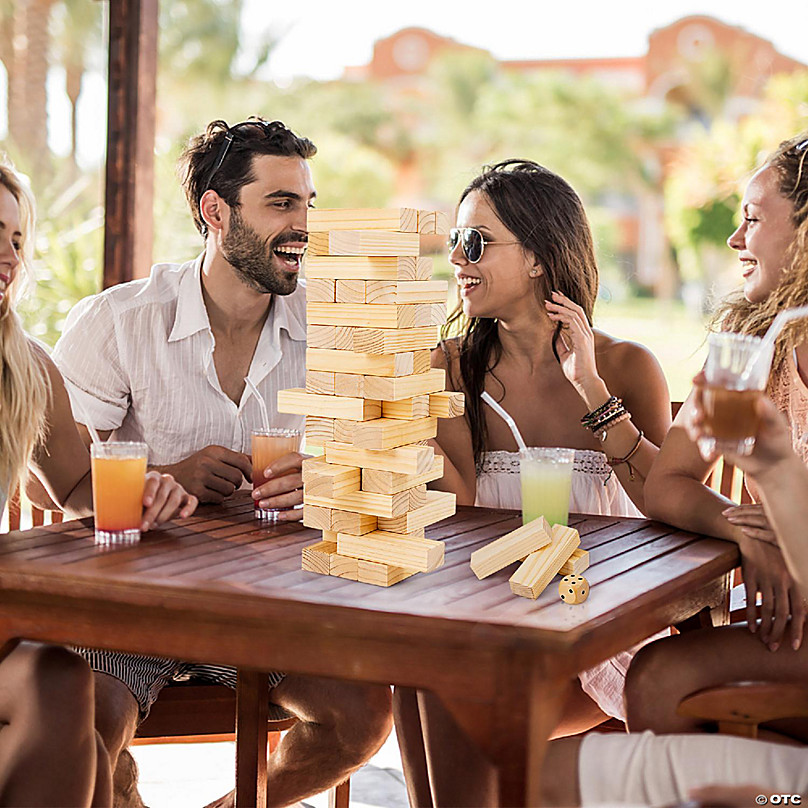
(219, 587)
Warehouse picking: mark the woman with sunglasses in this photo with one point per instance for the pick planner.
(50, 753)
(525, 264)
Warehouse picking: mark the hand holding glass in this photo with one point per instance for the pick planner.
(267, 446)
(119, 478)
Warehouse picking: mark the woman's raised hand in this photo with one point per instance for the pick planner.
(163, 499)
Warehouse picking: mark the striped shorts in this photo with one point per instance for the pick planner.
(147, 676)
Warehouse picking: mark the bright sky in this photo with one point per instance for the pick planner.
(325, 36)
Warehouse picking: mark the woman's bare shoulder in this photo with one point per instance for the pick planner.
(621, 354)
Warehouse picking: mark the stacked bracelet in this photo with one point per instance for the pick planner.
(605, 417)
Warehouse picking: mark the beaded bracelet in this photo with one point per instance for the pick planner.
(592, 417)
(602, 429)
(617, 461)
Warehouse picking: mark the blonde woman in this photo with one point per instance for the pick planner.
(50, 753)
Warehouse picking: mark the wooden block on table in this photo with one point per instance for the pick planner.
(394, 389)
(319, 381)
(370, 315)
(344, 567)
(539, 568)
(389, 433)
(399, 364)
(322, 479)
(511, 547)
(402, 220)
(298, 401)
(356, 524)
(446, 404)
(402, 460)
(317, 557)
(433, 222)
(350, 291)
(363, 502)
(404, 292)
(388, 482)
(319, 431)
(439, 505)
(372, 572)
(407, 408)
(318, 518)
(394, 340)
(576, 563)
(364, 242)
(371, 268)
(418, 554)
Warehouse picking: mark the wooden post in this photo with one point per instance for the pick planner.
(129, 190)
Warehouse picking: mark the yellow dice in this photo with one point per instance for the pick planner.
(573, 589)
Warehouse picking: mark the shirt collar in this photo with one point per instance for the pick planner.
(191, 316)
(288, 311)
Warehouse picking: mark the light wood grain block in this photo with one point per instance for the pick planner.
(433, 222)
(321, 336)
(439, 505)
(344, 431)
(298, 401)
(319, 381)
(317, 557)
(422, 555)
(344, 567)
(351, 291)
(364, 242)
(322, 479)
(343, 338)
(388, 482)
(576, 563)
(363, 502)
(371, 268)
(318, 518)
(539, 568)
(418, 496)
(320, 290)
(389, 433)
(367, 315)
(437, 314)
(407, 408)
(394, 340)
(402, 220)
(446, 404)
(511, 547)
(372, 572)
(406, 292)
(421, 361)
(349, 384)
(394, 389)
(400, 364)
(356, 524)
(403, 460)
(319, 430)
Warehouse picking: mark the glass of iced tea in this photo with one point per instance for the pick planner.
(546, 475)
(119, 477)
(267, 446)
(736, 373)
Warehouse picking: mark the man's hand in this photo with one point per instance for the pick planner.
(163, 499)
(212, 473)
(752, 520)
(284, 487)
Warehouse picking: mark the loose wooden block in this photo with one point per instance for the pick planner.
(573, 589)
(422, 555)
(319, 431)
(318, 518)
(317, 557)
(433, 222)
(446, 404)
(363, 502)
(538, 569)
(372, 268)
(319, 381)
(388, 482)
(364, 242)
(403, 220)
(298, 401)
(356, 524)
(439, 505)
(344, 567)
(394, 340)
(402, 460)
(511, 547)
(388, 433)
(351, 292)
(372, 572)
(321, 336)
(322, 479)
(320, 290)
(576, 563)
(407, 408)
(368, 315)
(400, 364)
(395, 389)
(405, 291)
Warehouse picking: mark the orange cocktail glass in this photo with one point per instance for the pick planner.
(119, 477)
(267, 446)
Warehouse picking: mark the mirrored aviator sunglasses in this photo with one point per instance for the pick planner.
(472, 242)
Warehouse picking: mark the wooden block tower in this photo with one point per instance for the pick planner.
(371, 399)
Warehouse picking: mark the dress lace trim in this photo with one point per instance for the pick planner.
(586, 461)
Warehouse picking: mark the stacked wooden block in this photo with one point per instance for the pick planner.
(371, 399)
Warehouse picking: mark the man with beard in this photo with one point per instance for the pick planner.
(163, 360)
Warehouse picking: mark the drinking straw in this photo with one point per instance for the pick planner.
(96, 438)
(766, 348)
(505, 417)
(261, 403)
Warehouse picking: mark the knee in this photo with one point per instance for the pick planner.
(62, 681)
(648, 681)
(116, 714)
(364, 722)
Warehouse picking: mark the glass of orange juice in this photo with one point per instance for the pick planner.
(267, 446)
(119, 477)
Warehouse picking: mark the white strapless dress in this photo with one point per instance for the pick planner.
(593, 491)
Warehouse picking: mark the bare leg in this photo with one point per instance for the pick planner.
(580, 713)
(47, 741)
(666, 671)
(102, 796)
(559, 779)
(410, 737)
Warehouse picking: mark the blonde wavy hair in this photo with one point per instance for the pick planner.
(736, 313)
(24, 388)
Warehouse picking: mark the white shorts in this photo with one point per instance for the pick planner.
(659, 770)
